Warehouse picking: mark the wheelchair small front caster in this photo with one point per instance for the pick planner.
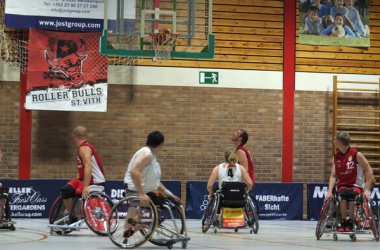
(353, 237)
(335, 236)
(184, 244)
(215, 230)
(12, 227)
(251, 231)
(170, 246)
(236, 229)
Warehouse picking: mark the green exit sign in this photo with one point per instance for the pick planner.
(207, 77)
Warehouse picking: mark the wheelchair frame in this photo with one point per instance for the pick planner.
(91, 211)
(210, 217)
(130, 214)
(5, 223)
(365, 222)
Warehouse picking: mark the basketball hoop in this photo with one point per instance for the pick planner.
(163, 44)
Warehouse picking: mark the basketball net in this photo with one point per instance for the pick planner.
(13, 45)
(163, 45)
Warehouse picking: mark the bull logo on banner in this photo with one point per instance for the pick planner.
(68, 61)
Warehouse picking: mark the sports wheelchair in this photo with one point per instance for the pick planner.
(163, 222)
(366, 219)
(94, 211)
(237, 209)
(5, 218)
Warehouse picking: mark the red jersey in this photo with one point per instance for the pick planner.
(348, 171)
(250, 162)
(97, 167)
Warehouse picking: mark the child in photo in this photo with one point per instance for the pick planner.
(338, 8)
(324, 10)
(338, 28)
(313, 23)
(354, 16)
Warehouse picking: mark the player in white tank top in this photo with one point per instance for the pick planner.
(144, 172)
(228, 171)
(150, 175)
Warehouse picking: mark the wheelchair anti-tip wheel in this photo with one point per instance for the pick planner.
(209, 214)
(96, 209)
(130, 225)
(335, 236)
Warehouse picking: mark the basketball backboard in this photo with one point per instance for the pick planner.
(131, 28)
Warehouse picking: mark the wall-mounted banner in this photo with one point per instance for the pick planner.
(64, 15)
(316, 193)
(33, 198)
(276, 200)
(66, 72)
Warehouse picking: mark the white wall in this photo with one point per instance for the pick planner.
(251, 79)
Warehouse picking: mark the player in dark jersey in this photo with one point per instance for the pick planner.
(90, 171)
(240, 138)
(352, 175)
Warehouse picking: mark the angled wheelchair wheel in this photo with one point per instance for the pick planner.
(371, 216)
(2, 208)
(168, 228)
(323, 217)
(130, 225)
(209, 214)
(96, 210)
(252, 217)
(57, 216)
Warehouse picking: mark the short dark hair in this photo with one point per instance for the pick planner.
(244, 136)
(313, 9)
(155, 139)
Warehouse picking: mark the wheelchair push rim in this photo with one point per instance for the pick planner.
(322, 220)
(252, 217)
(372, 218)
(167, 233)
(209, 214)
(130, 225)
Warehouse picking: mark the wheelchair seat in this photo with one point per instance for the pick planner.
(233, 194)
(96, 188)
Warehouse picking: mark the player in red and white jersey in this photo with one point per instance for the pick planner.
(240, 138)
(351, 173)
(90, 170)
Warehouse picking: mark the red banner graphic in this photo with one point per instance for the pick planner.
(64, 60)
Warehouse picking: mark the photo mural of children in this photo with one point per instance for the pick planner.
(334, 22)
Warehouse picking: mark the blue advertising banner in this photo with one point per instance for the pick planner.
(316, 193)
(33, 198)
(276, 200)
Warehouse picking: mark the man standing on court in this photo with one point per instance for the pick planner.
(240, 138)
(90, 171)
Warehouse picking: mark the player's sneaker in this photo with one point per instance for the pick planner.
(349, 226)
(342, 227)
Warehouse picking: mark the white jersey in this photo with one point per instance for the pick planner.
(229, 173)
(150, 176)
